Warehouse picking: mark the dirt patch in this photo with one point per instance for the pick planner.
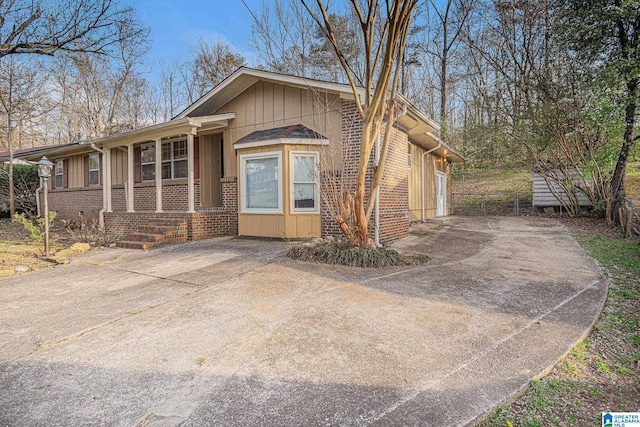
(591, 227)
(19, 254)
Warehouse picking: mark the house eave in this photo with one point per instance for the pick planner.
(245, 77)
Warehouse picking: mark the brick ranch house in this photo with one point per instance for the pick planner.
(252, 158)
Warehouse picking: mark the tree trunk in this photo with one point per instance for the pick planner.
(617, 192)
(12, 197)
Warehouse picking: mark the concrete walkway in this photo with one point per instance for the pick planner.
(230, 332)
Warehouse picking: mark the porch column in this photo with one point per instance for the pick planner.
(158, 175)
(107, 178)
(190, 180)
(130, 178)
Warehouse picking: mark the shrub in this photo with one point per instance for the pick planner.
(25, 182)
(35, 226)
(338, 251)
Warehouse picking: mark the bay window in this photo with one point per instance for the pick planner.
(261, 185)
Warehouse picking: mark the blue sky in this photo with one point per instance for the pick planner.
(176, 25)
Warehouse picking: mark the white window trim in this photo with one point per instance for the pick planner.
(143, 163)
(56, 174)
(94, 170)
(173, 160)
(292, 202)
(243, 183)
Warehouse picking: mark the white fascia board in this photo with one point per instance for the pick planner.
(342, 89)
(172, 127)
(281, 141)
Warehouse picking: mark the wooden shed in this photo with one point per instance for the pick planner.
(545, 191)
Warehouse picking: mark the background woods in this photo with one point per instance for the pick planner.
(550, 84)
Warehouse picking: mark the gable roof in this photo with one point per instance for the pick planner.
(243, 78)
(420, 128)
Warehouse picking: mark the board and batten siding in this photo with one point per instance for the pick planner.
(268, 105)
(543, 196)
(417, 184)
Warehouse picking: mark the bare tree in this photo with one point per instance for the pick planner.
(212, 63)
(446, 26)
(283, 33)
(20, 86)
(45, 27)
(384, 29)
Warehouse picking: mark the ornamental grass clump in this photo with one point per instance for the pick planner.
(338, 251)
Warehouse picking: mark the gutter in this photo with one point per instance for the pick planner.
(422, 178)
(104, 184)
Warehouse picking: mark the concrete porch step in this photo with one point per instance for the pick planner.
(146, 237)
(130, 244)
(161, 228)
(155, 233)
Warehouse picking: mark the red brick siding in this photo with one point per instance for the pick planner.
(394, 191)
(199, 225)
(68, 202)
(394, 199)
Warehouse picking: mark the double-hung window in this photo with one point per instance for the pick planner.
(174, 159)
(59, 173)
(94, 169)
(304, 182)
(261, 186)
(148, 161)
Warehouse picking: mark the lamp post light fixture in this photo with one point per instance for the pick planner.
(44, 171)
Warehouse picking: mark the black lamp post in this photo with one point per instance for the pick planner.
(44, 171)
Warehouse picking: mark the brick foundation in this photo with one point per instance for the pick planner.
(200, 225)
(72, 204)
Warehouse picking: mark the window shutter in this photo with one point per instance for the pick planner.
(86, 171)
(196, 157)
(65, 173)
(137, 164)
(52, 179)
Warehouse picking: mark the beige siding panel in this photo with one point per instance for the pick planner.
(76, 171)
(278, 105)
(259, 103)
(118, 166)
(415, 185)
(230, 157)
(267, 103)
(292, 107)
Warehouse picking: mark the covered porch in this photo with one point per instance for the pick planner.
(167, 180)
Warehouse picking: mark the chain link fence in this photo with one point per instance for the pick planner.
(494, 203)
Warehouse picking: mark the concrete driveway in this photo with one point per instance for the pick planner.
(230, 332)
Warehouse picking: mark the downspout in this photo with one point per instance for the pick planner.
(104, 185)
(422, 178)
(38, 190)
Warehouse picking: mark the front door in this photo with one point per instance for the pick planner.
(441, 194)
(211, 170)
